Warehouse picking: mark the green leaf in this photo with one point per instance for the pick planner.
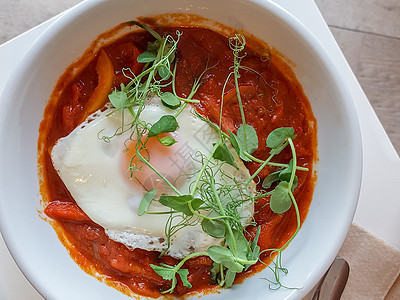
(214, 228)
(233, 265)
(270, 179)
(255, 240)
(181, 203)
(223, 255)
(278, 150)
(146, 57)
(229, 278)
(219, 254)
(196, 203)
(167, 141)
(165, 124)
(170, 100)
(255, 254)
(280, 200)
(284, 175)
(247, 137)
(222, 153)
(183, 274)
(238, 244)
(295, 182)
(237, 146)
(146, 200)
(164, 272)
(118, 99)
(279, 136)
(164, 72)
(215, 270)
(168, 273)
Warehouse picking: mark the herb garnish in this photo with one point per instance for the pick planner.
(217, 207)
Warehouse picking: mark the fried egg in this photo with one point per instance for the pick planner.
(95, 170)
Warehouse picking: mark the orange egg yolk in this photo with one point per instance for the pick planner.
(167, 160)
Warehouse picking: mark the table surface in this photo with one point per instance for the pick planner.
(380, 177)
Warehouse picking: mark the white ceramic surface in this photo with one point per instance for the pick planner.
(33, 242)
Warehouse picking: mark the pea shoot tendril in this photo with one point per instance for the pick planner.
(216, 206)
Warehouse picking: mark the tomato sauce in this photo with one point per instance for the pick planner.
(272, 98)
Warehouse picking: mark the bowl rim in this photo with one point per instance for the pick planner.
(66, 18)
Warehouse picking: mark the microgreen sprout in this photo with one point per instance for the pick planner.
(216, 205)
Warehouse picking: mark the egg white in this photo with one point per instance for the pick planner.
(90, 169)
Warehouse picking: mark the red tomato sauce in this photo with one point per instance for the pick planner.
(275, 100)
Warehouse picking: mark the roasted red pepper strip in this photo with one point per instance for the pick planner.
(105, 73)
(66, 211)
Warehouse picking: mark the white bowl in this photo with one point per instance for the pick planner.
(33, 242)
